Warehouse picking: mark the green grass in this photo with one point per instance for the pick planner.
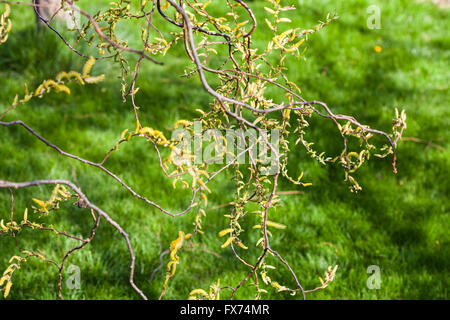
(398, 222)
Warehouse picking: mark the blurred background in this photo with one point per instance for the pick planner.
(398, 222)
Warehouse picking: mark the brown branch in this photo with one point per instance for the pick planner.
(88, 204)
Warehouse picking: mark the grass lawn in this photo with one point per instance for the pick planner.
(399, 222)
